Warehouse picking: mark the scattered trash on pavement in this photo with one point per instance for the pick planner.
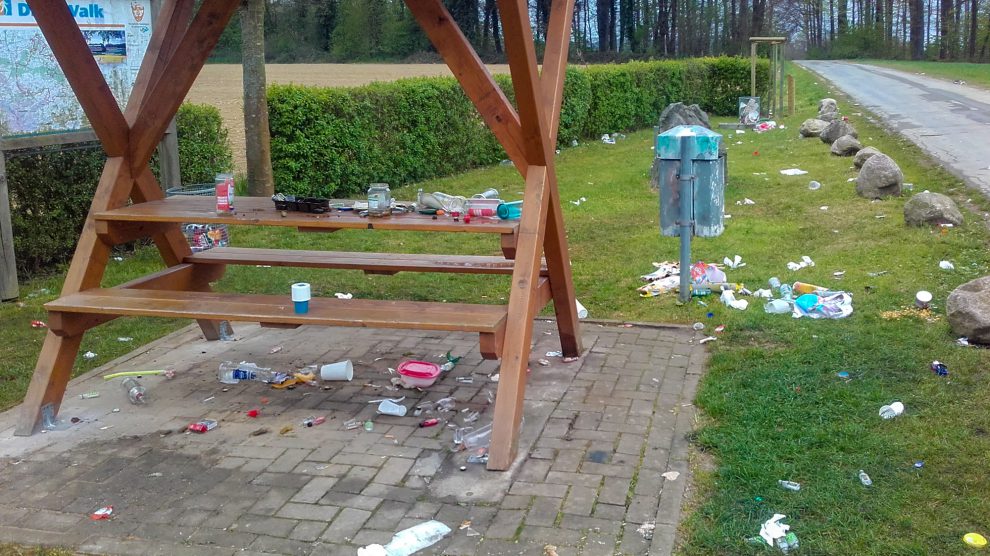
(647, 529)
(707, 339)
(670, 475)
(106, 512)
(543, 362)
(89, 395)
(275, 349)
(555, 354)
(203, 426)
(409, 541)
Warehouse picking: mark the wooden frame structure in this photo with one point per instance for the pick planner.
(776, 89)
(177, 52)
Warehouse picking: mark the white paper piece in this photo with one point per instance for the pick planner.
(763, 294)
(707, 339)
(804, 262)
(734, 263)
(946, 265)
(793, 172)
(671, 475)
(89, 355)
(772, 529)
(579, 201)
(344, 295)
(729, 299)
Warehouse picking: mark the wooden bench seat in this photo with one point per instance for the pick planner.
(74, 313)
(372, 263)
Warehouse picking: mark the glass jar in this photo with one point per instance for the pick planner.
(379, 200)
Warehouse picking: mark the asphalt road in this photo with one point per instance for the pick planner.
(950, 122)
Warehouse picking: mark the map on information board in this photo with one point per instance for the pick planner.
(34, 94)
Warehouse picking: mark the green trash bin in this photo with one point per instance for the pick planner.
(709, 184)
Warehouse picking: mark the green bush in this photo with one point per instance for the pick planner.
(51, 188)
(333, 142)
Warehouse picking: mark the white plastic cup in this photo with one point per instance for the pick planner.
(388, 407)
(922, 299)
(301, 297)
(581, 311)
(341, 370)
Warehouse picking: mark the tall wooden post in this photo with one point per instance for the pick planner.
(790, 95)
(752, 69)
(8, 264)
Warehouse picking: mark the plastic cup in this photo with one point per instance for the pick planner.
(581, 311)
(341, 370)
(922, 299)
(301, 297)
(388, 407)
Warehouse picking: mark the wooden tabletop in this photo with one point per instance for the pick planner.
(260, 211)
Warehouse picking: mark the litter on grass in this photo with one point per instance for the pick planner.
(746, 201)
(946, 265)
(803, 263)
(823, 305)
(734, 263)
(772, 529)
(793, 172)
(892, 410)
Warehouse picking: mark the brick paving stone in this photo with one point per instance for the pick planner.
(394, 471)
(368, 536)
(598, 544)
(257, 452)
(256, 464)
(321, 469)
(568, 460)
(505, 524)
(663, 541)
(462, 545)
(307, 531)
(614, 491)
(347, 523)
(272, 501)
(326, 450)
(312, 512)
(589, 480)
(533, 471)
(388, 514)
(537, 489)
(609, 511)
(642, 509)
(314, 490)
(264, 525)
(580, 501)
(278, 545)
(551, 535)
(495, 547)
(648, 483)
(289, 460)
(543, 511)
(348, 500)
(50, 521)
(359, 459)
(356, 480)
(287, 480)
(632, 542)
(389, 492)
(423, 510)
(219, 537)
(516, 502)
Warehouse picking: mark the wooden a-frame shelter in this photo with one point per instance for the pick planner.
(128, 204)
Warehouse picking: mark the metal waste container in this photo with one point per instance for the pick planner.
(708, 200)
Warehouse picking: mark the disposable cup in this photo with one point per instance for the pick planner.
(388, 407)
(922, 299)
(341, 370)
(581, 311)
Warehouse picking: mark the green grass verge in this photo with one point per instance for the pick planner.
(973, 74)
(773, 407)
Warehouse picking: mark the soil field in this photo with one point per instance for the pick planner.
(220, 85)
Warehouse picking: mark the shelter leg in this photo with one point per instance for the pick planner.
(50, 378)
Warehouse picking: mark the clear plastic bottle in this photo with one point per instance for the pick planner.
(416, 538)
(136, 393)
(785, 292)
(789, 485)
(451, 203)
(379, 200)
(232, 373)
(864, 478)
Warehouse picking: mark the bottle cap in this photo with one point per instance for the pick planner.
(975, 540)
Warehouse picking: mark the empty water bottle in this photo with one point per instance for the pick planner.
(785, 292)
(232, 373)
(864, 478)
(789, 485)
(136, 393)
(416, 538)
(774, 283)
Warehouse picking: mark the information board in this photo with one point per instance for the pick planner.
(34, 94)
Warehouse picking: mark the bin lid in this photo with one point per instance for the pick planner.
(704, 141)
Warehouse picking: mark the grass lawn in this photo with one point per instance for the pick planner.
(773, 407)
(973, 74)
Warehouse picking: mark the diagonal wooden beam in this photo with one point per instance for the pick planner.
(555, 63)
(172, 20)
(84, 76)
(521, 312)
(473, 76)
(164, 97)
(521, 52)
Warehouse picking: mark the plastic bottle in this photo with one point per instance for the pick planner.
(790, 485)
(411, 540)
(864, 478)
(136, 393)
(785, 292)
(232, 373)
(451, 203)
(774, 283)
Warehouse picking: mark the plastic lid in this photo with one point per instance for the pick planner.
(975, 540)
(419, 369)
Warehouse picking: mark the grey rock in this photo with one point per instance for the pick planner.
(812, 127)
(931, 208)
(847, 145)
(827, 105)
(863, 155)
(836, 129)
(679, 113)
(968, 309)
(829, 116)
(880, 177)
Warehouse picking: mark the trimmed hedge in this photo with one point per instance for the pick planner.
(333, 142)
(51, 189)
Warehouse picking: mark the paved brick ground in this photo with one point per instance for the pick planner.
(598, 434)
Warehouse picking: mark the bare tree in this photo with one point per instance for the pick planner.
(256, 134)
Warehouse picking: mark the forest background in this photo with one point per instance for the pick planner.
(617, 30)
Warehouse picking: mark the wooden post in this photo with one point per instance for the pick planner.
(790, 95)
(168, 156)
(8, 264)
(752, 69)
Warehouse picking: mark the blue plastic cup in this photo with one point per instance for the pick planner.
(510, 211)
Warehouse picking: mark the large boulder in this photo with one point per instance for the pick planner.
(933, 209)
(836, 129)
(812, 127)
(829, 116)
(828, 109)
(863, 155)
(880, 177)
(968, 309)
(847, 145)
(679, 113)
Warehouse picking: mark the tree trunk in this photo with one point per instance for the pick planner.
(944, 21)
(257, 140)
(974, 11)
